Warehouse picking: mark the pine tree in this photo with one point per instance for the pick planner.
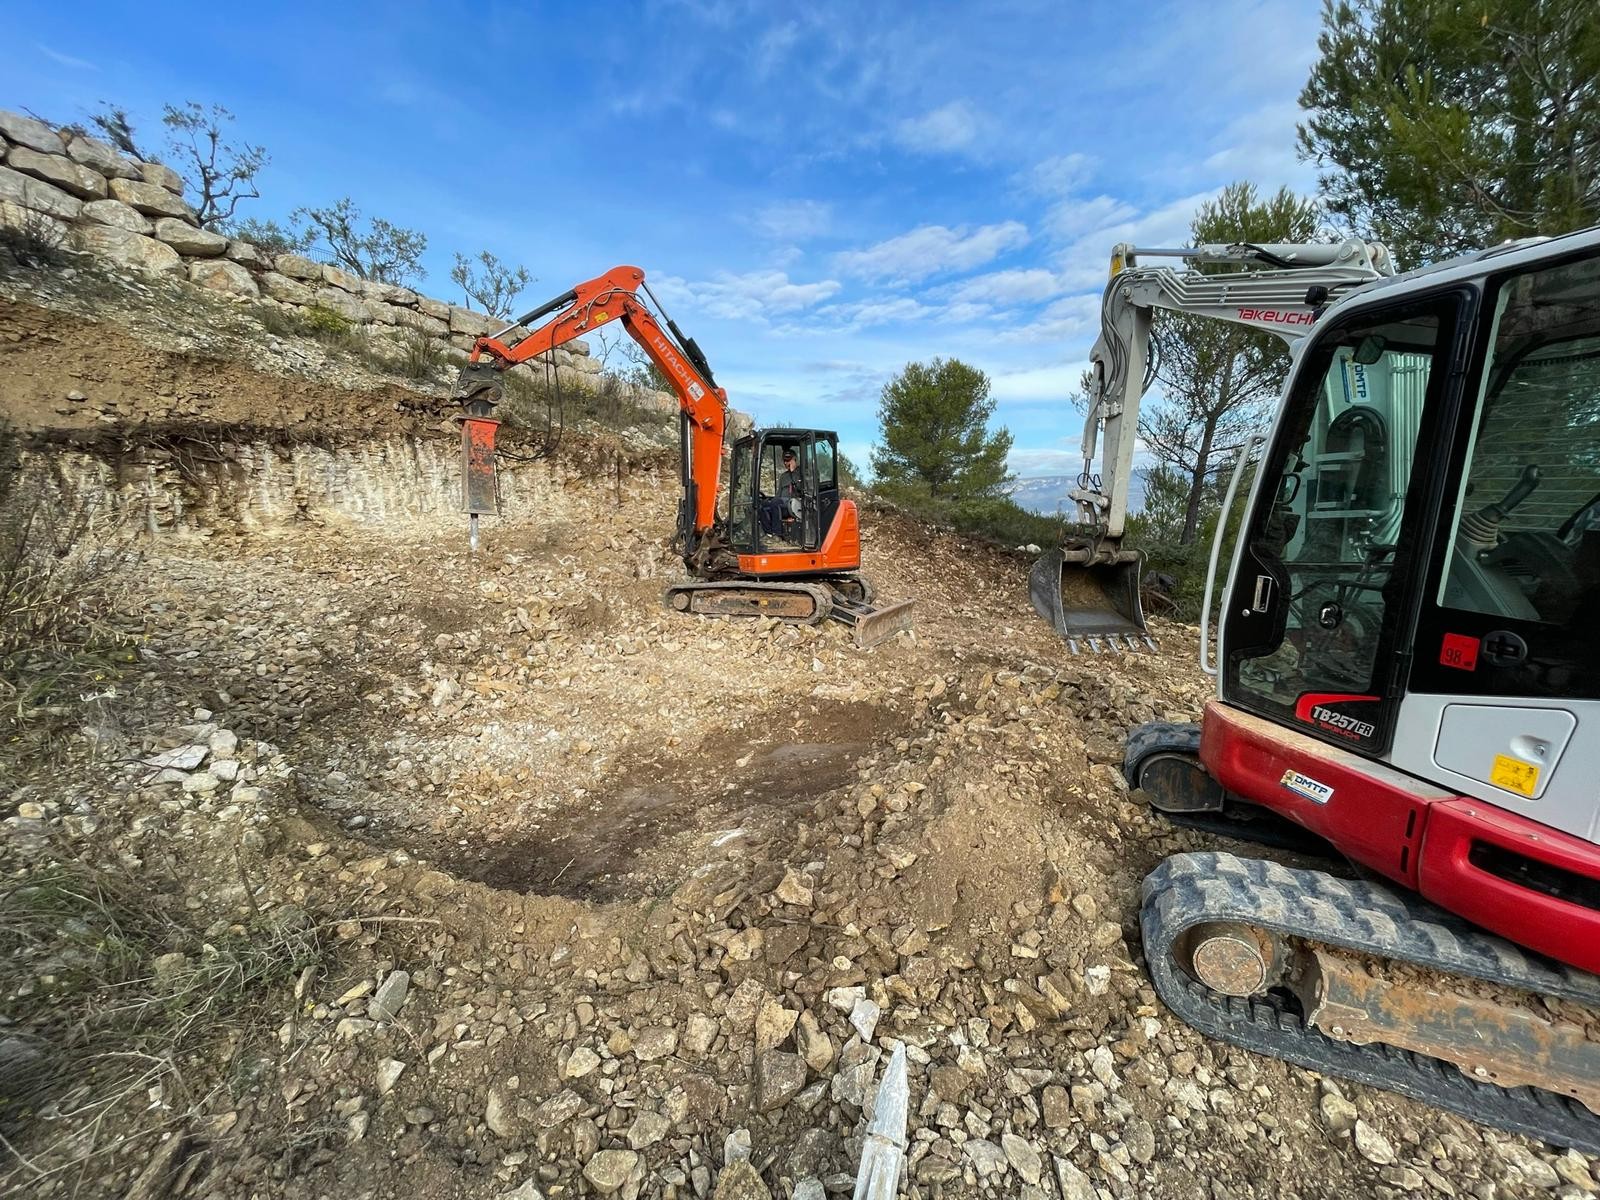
(934, 421)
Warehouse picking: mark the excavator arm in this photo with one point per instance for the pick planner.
(1089, 588)
(609, 298)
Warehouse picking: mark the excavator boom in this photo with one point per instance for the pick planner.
(1088, 589)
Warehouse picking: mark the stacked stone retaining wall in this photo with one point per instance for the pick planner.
(65, 188)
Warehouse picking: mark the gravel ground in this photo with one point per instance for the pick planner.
(551, 892)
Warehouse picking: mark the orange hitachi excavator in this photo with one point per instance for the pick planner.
(789, 543)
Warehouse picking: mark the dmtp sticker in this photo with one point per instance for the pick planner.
(1307, 787)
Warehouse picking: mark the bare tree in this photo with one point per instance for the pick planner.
(219, 173)
(383, 251)
(114, 124)
(495, 286)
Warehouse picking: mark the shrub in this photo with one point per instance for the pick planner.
(326, 325)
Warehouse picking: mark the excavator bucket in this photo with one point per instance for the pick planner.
(1094, 605)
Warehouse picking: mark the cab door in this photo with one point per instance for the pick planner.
(810, 501)
(1313, 626)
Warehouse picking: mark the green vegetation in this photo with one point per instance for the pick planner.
(1218, 381)
(934, 422)
(1445, 127)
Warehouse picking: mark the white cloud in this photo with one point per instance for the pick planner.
(793, 220)
(932, 250)
(1073, 218)
(66, 60)
(1054, 383)
(1260, 144)
(1033, 463)
(1070, 320)
(1061, 175)
(945, 130)
(754, 294)
(1019, 286)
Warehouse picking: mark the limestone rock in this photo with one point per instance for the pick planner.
(102, 156)
(129, 249)
(700, 1034)
(864, 1018)
(246, 254)
(281, 287)
(647, 1129)
(779, 1077)
(500, 1114)
(149, 198)
(987, 1159)
(740, 1181)
(38, 195)
(580, 1062)
(190, 240)
(388, 293)
(343, 303)
(390, 996)
(656, 1042)
(794, 889)
(81, 181)
(1373, 1146)
(118, 215)
(342, 280)
(1023, 1157)
(1074, 1183)
(161, 176)
(420, 321)
(220, 275)
(608, 1170)
(558, 1110)
(389, 1072)
(774, 1023)
(463, 320)
(26, 131)
(815, 1046)
(297, 267)
(1338, 1114)
(15, 216)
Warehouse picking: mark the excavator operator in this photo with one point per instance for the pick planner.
(780, 511)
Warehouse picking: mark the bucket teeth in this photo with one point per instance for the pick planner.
(1094, 601)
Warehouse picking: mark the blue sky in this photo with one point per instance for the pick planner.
(819, 193)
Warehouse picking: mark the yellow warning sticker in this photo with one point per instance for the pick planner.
(1514, 775)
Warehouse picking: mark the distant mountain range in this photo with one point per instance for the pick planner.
(1047, 494)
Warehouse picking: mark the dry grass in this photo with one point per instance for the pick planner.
(116, 1003)
(63, 553)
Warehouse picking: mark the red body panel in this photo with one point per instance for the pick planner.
(1413, 832)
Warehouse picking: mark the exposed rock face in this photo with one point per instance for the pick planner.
(103, 157)
(118, 214)
(129, 249)
(188, 240)
(161, 176)
(26, 131)
(38, 195)
(83, 182)
(149, 198)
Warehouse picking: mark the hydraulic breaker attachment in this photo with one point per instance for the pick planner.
(1090, 596)
(478, 388)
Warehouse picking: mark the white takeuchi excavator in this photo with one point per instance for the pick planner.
(1408, 674)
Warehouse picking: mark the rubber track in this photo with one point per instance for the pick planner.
(1190, 889)
(821, 596)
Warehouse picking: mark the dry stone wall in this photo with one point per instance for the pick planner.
(78, 191)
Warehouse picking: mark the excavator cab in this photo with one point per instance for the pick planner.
(783, 490)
